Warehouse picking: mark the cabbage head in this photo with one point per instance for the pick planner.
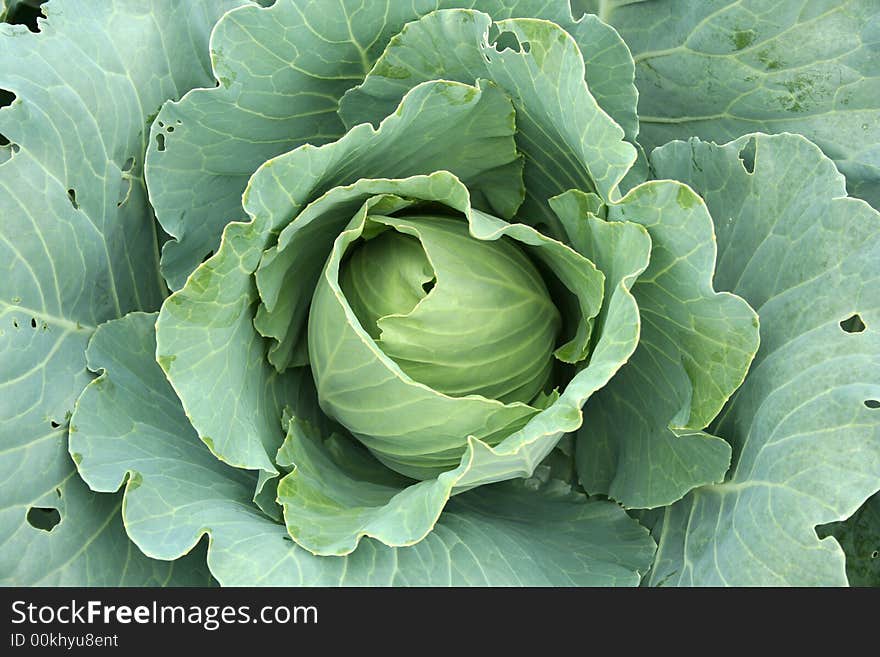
(438, 292)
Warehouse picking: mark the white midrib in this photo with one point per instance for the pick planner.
(48, 318)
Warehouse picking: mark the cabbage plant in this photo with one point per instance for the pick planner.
(437, 292)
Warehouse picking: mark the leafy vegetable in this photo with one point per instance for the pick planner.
(420, 307)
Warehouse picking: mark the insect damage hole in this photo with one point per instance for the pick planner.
(509, 41)
(160, 142)
(25, 14)
(747, 156)
(33, 322)
(853, 324)
(43, 518)
(6, 98)
(872, 403)
(71, 196)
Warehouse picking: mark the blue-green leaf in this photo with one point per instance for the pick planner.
(804, 426)
(78, 247)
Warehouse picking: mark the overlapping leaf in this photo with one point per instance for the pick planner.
(644, 445)
(281, 73)
(130, 425)
(722, 68)
(567, 139)
(329, 507)
(208, 345)
(77, 243)
(804, 428)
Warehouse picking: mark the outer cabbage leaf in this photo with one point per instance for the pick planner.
(281, 72)
(88, 547)
(132, 430)
(77, 243)
(718, 69)
(804, 426)
(859, 536)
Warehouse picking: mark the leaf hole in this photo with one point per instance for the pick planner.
(15, 322)
(33, 322)
(43, 518)
(427, 286)
(25, 14)
(875, 554)
(54, 424)
(747, 156)
(169, 128)
(71, 196)
(509, 41)
(208, 256)
(6, 98)
(287, 538)
(58, 493)
(872, 403)
(128, 165)
(853, 324)
(160, 142)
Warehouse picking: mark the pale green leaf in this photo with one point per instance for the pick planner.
(360, 386)
(475, 442)
(489, 325)
(643, 444)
